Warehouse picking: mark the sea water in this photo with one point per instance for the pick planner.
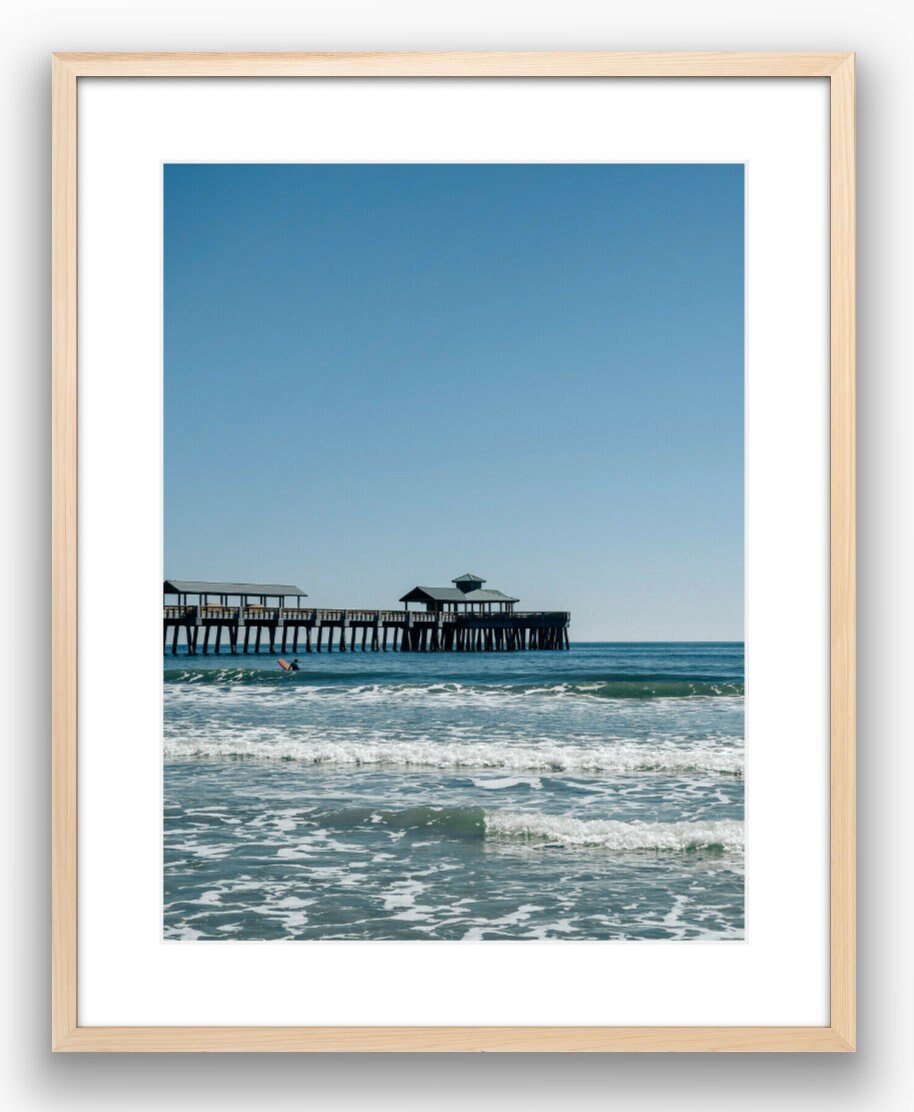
(589, 794)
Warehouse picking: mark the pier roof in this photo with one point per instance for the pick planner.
(204, 587)
(454, 594)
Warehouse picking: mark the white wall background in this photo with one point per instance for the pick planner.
(879, 1075)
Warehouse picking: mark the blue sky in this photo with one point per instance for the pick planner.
(378, 376)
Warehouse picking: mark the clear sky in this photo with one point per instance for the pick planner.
(383, 376)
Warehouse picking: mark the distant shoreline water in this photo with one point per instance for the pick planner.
(596, 793)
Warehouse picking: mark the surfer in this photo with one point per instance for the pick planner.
(289, 666)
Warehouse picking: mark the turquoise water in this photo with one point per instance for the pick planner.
(590, 794)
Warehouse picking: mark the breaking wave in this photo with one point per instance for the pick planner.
(725, 836)
(716, 759)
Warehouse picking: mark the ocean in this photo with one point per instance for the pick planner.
(589, 794)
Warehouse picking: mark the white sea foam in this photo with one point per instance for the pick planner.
(726, 834)
(508, 782)
(402, 894)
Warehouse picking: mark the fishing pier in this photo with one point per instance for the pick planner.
(243, 617)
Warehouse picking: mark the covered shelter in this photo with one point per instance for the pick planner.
(247, 594)
(467, 595)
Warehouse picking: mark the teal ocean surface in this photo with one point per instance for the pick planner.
(590, 794)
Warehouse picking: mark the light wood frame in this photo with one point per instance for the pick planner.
(840, 1034)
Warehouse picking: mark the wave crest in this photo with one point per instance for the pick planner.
(316, 684)
(722, 760)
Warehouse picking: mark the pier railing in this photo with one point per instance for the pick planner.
(306, 614)
(180, 613)
(215, 610)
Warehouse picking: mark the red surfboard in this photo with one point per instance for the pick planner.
(285, 665)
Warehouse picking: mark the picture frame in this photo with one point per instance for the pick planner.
(68, 69)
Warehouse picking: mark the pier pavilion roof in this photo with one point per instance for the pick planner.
(204, 587)
(454, 594)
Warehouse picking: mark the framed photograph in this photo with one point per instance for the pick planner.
(453, 572)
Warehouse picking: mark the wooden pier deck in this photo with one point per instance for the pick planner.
(298, 629)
